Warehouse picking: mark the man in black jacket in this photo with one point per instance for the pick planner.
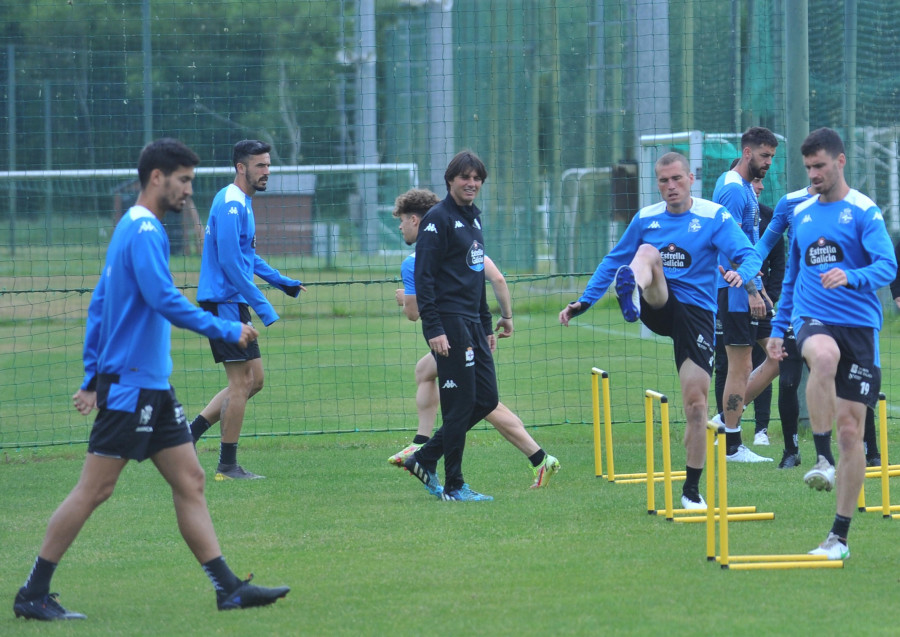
(456, 322)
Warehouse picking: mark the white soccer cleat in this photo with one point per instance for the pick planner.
(821, 476)
(743, 454)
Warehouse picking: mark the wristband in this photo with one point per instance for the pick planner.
(508, 318)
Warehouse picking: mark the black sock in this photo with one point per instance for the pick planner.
(199, 427)
(420, 439)
(841, 527)
(38, 582)
(223, 578)
(870, 436)
(823, 446)
(789, 410)
(733, 440)
(537, 457)
(692, 481)
(228, 453)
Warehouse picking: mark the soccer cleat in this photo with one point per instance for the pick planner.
(400, 457)
(761, 439)
(833, 547)
(428, 478)
(543, 472)
(628, 293)
(44, 608)
(693, 502)
(789, 460)
(821, 476)
(743, 454)
(234, 472)
(873, 461)
(248, 595)
(465, 494)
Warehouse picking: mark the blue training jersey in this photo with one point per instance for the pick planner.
(849, 234)
(781, 221)
(689, 244)
(230, 260)
(740, 200)
(408, 274)
(134, 305)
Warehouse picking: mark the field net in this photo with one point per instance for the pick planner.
(567, 102)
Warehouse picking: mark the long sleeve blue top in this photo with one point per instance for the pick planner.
(689, 244)
(848, 234)
(230, 260)
(134, 305)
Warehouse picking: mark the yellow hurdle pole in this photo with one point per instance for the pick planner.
(769, 566)
(648, 430)
(723, 496)
(882, 434)
(711, 429)
(667, 455)
(607, 422)
(595, 403)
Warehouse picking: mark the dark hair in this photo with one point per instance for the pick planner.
(822, 139)
(757, 136)
(416, 201)
(166, 154)
(463, 162)
(248, 148)
(734, 162)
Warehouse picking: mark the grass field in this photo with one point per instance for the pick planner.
(365, 550)
(368, 552)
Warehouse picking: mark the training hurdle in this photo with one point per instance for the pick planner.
(884, 472)
(716, 462)
(600, 382)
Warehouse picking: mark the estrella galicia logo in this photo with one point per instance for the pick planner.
(675, 257)
(475, 257)
(823, 252)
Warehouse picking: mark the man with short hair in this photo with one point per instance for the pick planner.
(227, 289)
(127, 365)
(410, 208)
(839, 256)
(664, 271)
(739, 310)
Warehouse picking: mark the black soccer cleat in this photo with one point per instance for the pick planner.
(43, 608)
(247, 596)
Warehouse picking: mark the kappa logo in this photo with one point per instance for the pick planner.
(806, 219)
(146, 226)
(653, 226)
(878, 215)
(430, 228)
(726, 215)
(233, 210)
(449, 384)
(458, 224)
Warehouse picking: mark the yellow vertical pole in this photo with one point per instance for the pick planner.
(607, 420)
(648, 429)
(710, 494)
(595, 398)
(882, 434)
(723, 498)
(667, 455)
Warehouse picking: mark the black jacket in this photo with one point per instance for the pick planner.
(450, 267)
